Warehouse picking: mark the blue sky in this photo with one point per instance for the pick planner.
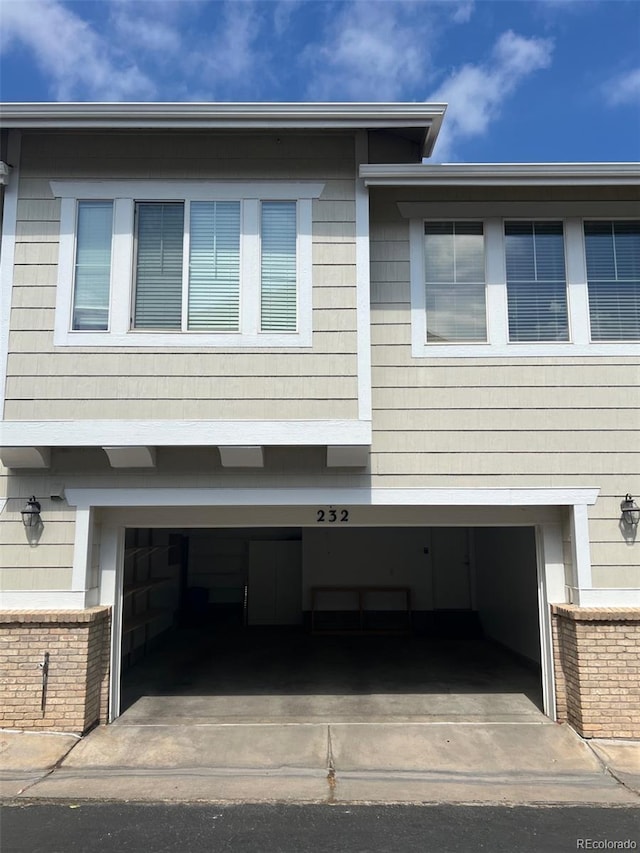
(526, 80)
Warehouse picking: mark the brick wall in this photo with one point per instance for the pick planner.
(597, 669)
(78, 642)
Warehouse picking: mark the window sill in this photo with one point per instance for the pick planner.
(183, 340)
(524, 350)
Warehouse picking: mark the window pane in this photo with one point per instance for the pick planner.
(93, 266)
(613, 275)
(601, 263)
(627, 243)
(455, 285)
(536, 285)
(439, 255)
(214, 266)
(278, 265)
(160, 232)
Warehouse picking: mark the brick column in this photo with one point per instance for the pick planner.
(597, 669)
(78, 643)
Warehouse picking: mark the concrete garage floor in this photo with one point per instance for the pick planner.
(286, 676)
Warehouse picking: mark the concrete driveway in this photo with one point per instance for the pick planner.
(393, 721)
(491, 762)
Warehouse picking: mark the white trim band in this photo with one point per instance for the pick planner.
(44, 599)
(180, 433)
(606, 597)
(319, 496)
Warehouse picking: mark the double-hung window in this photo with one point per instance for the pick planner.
(455, 282)
(536, 281)
(159, 267)
(613, 277)
(185, 265)
(92, 272)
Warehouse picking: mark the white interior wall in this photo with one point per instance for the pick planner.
(506, 587)
(368, 556)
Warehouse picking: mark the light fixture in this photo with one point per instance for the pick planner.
(630, 511)
(31, 513)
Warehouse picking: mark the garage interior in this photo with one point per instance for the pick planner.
(340, 623)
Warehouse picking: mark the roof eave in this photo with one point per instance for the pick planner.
(500, 174)
(423, 118)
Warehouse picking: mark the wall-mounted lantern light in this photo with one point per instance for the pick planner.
(31, 513)
(630, 511)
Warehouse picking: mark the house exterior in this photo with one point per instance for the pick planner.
(222, 323)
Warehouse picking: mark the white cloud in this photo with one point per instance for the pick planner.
(231, 53)
(283, 12)
(77, 61)
(475, 93)
(369, 52)
(463, 11)
(625, 88)
(132, 24)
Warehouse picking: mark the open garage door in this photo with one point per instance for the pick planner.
(353, 623)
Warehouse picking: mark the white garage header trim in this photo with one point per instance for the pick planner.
(86, 498)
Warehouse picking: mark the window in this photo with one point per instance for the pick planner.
(185, 264)
(507, 286)
(454, 276)
(213, 283)
(158, 291)
(278, 266)
(613, 276)
(214, 266)
(94, 228)
(536, 284)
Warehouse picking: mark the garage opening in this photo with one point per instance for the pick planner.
(342, 624)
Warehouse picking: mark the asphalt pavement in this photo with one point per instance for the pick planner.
(72, 827)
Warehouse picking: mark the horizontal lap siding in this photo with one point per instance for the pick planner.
(48, 566)
(482, 423)
(215, 384)
(130, 409)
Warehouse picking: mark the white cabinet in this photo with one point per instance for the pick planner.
(275, 583)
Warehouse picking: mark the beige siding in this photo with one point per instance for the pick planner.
(213, 409)
(618, 577)
(523, 441)
(227, 389)
(320, 383)
(47, 564)
(34, 579)
(528, 422)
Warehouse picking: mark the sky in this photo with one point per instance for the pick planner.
(524, 80)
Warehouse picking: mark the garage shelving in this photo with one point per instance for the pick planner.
(148, 567)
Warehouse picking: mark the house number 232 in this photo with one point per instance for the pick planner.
(331, 516)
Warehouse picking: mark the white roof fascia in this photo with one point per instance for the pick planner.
(411, 116)
(500, 174)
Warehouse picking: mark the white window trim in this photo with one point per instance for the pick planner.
(497, 344)
(124, 194)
